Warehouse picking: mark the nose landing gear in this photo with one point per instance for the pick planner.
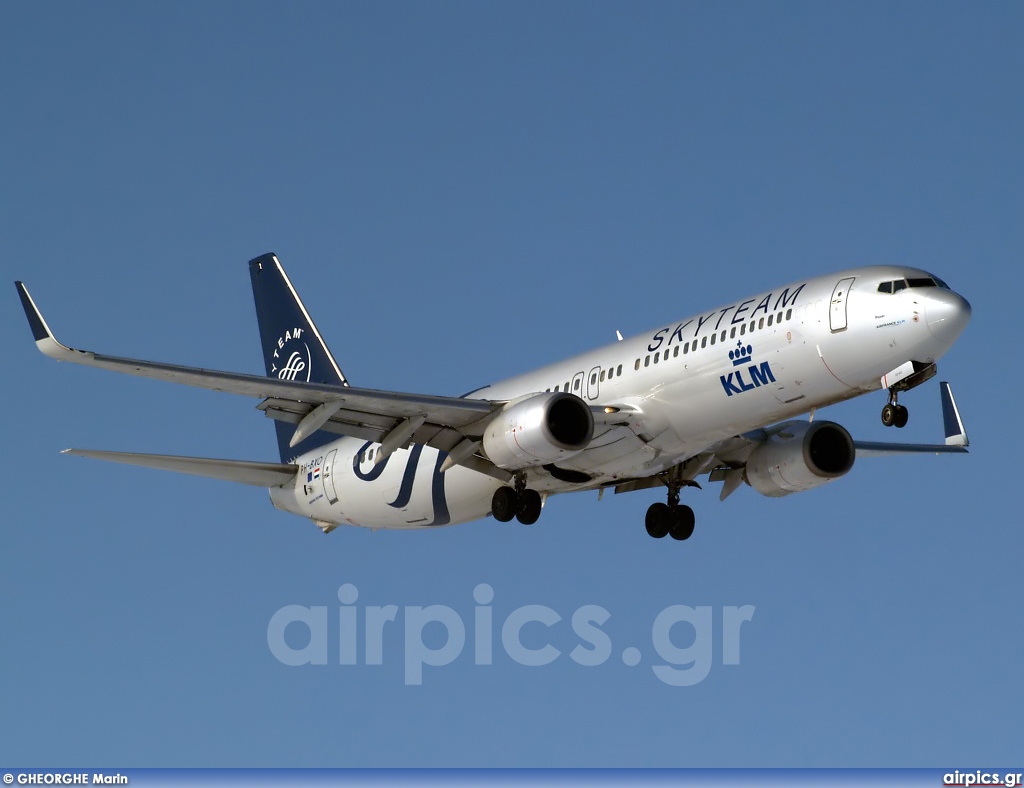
(905, 377)
(894, 414)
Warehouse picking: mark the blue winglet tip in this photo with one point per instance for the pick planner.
(952, 424)
(35, 320)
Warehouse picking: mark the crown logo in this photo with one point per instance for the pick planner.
(741, 355)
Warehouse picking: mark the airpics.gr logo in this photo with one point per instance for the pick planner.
(760, 375)
(292, 360)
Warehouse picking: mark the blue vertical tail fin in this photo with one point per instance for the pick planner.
(292, 347)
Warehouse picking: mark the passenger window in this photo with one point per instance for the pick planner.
(789, 314)
(675, 353)
(770, 319)
(618, 370)
(703, 342)
(657, 357)
(713, 338)
(593, 378)
(732, 334)
(576, 385)
(751, 326)
(666, 354)
(743, 329)
(647, 361)
(760, 323)
(636, 366)
(686, 348)
(610, 373)
(778, 318)
(556, 388)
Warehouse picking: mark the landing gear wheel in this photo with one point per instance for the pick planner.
(504, 504)
(901, 417)
(658, 520)
(889, 415)
(529, 507)
(682, 523)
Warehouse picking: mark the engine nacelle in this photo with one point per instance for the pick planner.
(538, 430)
(801, 456)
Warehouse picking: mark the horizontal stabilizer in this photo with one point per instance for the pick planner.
(259, 474)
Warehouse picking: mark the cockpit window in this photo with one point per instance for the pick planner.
(894, 286)
(921, 281)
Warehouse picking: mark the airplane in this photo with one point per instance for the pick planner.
(715, 394)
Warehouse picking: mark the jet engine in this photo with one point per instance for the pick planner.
(541, 429)
(800, 456)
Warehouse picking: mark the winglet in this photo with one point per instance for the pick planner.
(952, 424)
(44, 338)
(35, 320)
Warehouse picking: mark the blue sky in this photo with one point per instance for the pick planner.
(461, 192)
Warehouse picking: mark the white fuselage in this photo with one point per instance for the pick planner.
(688, 385)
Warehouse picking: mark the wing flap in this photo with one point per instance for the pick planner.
(258, 474)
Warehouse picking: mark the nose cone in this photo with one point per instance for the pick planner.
(947, 314)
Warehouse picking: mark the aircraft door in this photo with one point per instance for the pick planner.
(594, 383)
(837, 309)
(328, 476)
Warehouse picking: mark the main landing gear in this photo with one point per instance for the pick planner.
(894, 414)
(670, 519)
(517, 502)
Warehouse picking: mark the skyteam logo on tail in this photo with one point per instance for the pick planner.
(292, 359)
(758, 374)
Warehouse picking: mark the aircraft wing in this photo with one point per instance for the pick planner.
(953, 425)
(726, 460)
(441, 422)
